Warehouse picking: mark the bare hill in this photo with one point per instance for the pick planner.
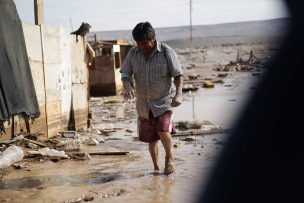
(238, 32)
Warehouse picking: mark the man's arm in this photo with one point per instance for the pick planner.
(177, 99)
(128, 90)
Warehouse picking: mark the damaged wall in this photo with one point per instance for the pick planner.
(60, 74)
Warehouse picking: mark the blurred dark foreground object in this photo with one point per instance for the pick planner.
(263, 161)
(17, 91)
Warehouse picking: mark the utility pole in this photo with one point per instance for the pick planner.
(190, 29)
(71, 24)
(39, 14)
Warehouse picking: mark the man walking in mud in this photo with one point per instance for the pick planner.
(153, 65)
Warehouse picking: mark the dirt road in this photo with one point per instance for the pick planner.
(130, 178)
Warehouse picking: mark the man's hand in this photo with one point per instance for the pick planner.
(129, 93)
(177, 100)
(128, 90)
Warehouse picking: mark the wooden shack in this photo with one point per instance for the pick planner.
(104, 75)
(59, 69)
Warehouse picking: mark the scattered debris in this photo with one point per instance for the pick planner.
(189, 87)
(218, 81)
(52, 152)
(177, 145)
(200, 132)
(3, 172)
(20, 165)
(35, 142)
(210, 128)
(79, 155)
(113, 101)
(77, 200)
(222, 75)
(129, 131)
(87, 198)
(189, 139)
(208, 84)
(92, 141)
(193, 76)
(195, 124)
(69, 134)
(110, 153)
(68, 145)
(32, 146)
(10, 156)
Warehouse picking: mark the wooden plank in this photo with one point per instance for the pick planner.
(39, 14)
(35, 142)
(208, 84)
(200, 132)
(109, 153)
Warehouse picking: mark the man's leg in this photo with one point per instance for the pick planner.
(153, 148)
(166, 140)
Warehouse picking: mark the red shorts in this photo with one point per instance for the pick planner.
(148, 128)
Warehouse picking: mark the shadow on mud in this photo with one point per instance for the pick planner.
(56, 180)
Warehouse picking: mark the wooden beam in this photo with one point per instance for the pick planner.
(109, 153)
(39, 14)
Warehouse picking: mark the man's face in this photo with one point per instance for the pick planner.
(146, 46)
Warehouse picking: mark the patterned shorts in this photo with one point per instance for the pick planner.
(148, 128)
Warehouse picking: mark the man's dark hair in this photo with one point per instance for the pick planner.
(143, 30)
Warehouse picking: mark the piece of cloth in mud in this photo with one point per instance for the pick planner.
(148, 128)
(17, 91)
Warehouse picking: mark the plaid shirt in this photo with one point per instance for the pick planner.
(153, 78)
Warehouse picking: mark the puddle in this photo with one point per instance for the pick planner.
(57, 180)
(221, 105)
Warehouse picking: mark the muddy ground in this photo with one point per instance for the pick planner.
(130, 177)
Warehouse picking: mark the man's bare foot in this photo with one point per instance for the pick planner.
(169, 165)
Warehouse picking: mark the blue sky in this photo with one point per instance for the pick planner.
(125, 14)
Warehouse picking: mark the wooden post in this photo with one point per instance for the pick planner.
(190, 29)
(39, 14)
(13, 127)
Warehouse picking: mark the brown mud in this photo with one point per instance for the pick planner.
(130, 178)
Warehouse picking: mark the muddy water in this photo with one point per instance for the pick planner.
(121, 178)
(130, 178)
(220, 105)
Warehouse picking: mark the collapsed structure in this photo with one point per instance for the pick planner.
(104, 73)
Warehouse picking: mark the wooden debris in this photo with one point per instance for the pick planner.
(113, 101)
(177, 145)
(193, 76)
(79, 155)
(218, 81)
(35, 142)
(208, 84)
(200, 132)
(222, 75)
(189, 139)
(84, 154)
(129, 131)
(109, 153)
(33, 153)
(117, 128)
(189, 87)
